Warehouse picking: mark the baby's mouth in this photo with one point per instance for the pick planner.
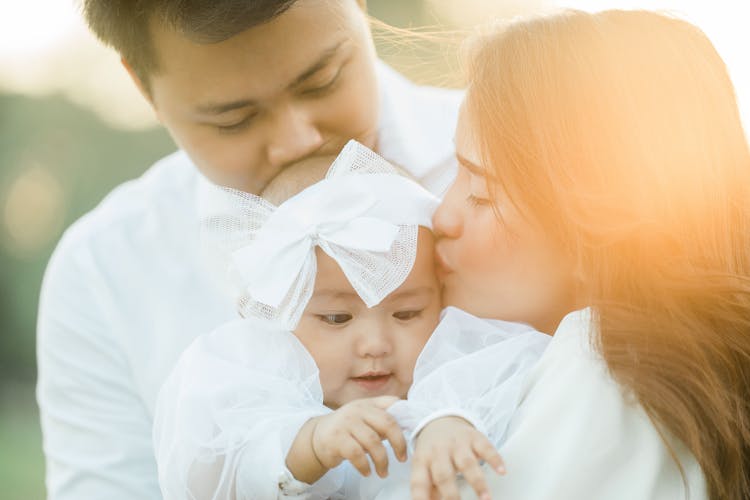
(373, 381)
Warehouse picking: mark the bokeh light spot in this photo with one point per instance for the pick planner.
(33, 211)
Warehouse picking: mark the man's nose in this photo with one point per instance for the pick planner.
(447, 219)
(294, 135)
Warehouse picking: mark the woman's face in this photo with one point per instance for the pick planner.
(494, 263)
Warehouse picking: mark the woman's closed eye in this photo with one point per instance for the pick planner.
(476, 201)
(407, 315)
(335, 318)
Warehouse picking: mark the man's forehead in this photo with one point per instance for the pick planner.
(284, 46)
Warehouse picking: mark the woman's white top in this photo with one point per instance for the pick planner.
(231, 408)
(578, 435)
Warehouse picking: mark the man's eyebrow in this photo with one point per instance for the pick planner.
(223, 107)
(470, 166)
(321, 63)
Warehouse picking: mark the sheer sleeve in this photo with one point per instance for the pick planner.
(472, 368)
(229, 411)
(577, 434)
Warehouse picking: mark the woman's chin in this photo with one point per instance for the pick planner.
(453, 297)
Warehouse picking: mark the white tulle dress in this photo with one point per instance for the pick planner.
(228, 413)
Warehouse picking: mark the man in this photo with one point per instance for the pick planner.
(245, 89)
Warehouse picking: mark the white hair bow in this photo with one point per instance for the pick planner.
(363, 214)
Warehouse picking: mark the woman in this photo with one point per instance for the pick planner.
(604, 198)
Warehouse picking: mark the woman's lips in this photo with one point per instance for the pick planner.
(441, 266)
(373, 382)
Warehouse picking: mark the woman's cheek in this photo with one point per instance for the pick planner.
(479, 252)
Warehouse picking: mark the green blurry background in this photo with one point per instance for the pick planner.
(72, 127)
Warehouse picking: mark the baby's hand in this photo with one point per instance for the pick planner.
(356, 430)
(445, 447)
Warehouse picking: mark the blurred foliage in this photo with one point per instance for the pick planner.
(87, 158)
(21, 460)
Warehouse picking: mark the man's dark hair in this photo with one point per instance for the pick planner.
(124, 24)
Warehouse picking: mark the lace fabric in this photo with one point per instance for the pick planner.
(364, 214)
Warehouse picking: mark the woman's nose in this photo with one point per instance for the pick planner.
(447, 219)
(294, 136)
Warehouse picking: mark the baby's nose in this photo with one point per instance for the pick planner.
(374, 340)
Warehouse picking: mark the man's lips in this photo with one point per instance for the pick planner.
(373, 381)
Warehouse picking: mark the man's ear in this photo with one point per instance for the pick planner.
(142, 87)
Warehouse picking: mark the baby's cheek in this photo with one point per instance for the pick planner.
(415, 348)
(328, 382)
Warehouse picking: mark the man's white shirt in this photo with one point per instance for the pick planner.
(127, 289)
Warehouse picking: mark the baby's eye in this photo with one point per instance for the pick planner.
(335, 319)
(407, 315)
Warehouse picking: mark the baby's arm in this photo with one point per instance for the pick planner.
(467, 385)
(229, 412)
(352, 432)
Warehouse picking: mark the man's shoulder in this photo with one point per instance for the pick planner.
(400, 93)
(417, 125)
(166, 190)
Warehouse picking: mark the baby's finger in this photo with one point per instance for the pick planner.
(383, 402)
(351, 450)
(443, 476)
(386, 426)
(420, 484)
(484, 450)
(371, 443)
(467, 463)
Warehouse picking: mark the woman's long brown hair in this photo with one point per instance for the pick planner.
(620, 133)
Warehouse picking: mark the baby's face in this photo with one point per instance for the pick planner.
(363, 352)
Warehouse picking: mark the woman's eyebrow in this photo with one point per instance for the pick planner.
(470, 166)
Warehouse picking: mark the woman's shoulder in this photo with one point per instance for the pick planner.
(585, 433)
(572, 377)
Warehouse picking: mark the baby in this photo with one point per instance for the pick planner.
(339, 298)
(362, 353)
(360, 295)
